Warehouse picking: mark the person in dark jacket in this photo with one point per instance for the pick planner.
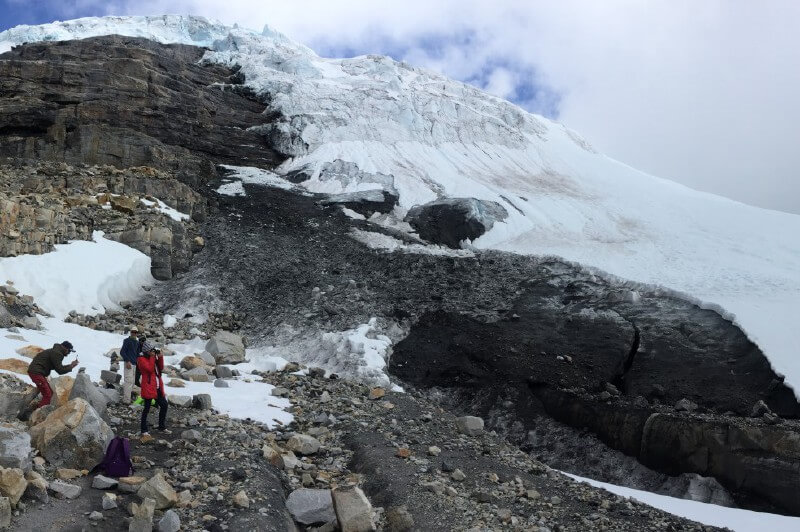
(45, 362)
(142, 340)
(151, 364)
(130, 353)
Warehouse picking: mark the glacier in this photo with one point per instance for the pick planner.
(432, 138)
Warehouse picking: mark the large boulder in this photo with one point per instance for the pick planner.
(15, 395)
(453, 220)
(192, 362)
(85, 389)
(469, 425)
(5, 513)
(309, 506)
(158, 489)
(206, 357)
(142, 516)
(196, 375)
(303, 444)
(62, 388)
(12, 483)
(226, 348)
(184, 401)
(15, 447)
(6, 318)
(353, 509)
(73, 435)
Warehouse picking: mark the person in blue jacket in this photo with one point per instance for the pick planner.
(130, 353)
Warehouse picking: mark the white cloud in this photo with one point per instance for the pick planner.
(700, 92)
(502, 82)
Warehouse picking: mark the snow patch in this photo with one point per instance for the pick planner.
(350, 213)
(234, 188)
(709, 514)
(88, 277)
(250, 175)
(244, 398)
(170, 321)
(391, 244)
(166, 209)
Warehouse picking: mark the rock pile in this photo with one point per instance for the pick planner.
(17, 310)
(339, 466)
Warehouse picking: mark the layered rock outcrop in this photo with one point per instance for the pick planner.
(128, 102)
(53, 203)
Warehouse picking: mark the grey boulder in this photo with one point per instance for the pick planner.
(226, 348)
(310, 506)
(85, 389)
(15, 447)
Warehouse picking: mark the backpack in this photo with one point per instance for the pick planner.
(117, 461)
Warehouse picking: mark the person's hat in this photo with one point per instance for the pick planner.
(147, 347)
(134, 328)
(68, 346)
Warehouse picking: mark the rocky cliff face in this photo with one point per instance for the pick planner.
(54, 203)
(127, 102)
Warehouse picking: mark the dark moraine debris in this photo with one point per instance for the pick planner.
(569, 335)
(453, 220)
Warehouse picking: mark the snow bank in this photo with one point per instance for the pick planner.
(709, 514)
(88, 277)
(256, 176)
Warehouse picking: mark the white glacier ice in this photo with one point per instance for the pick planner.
(435, 138)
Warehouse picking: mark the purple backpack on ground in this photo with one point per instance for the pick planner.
(117, 461)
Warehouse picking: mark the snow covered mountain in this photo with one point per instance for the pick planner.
(371, 122)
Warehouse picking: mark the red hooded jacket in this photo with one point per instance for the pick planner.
(151, 368)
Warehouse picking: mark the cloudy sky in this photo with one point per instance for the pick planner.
(701, 92)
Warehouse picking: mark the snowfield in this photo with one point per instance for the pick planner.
(88, 277)
(93, 276)
(371, 122)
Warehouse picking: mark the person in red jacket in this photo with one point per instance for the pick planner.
(151, 364)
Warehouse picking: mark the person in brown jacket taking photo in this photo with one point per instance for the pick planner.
(47, 361)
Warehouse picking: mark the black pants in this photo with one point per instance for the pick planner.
(162, 412)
